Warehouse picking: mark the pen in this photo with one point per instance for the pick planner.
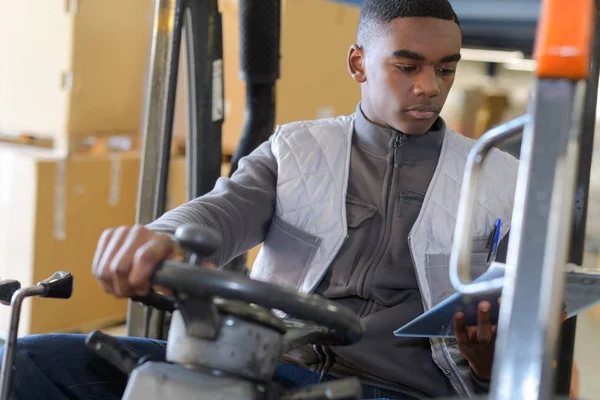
(493, 239)
(497, 236)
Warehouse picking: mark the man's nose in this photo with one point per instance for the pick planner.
(426, 84)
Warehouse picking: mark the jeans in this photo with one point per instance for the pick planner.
(60, 366)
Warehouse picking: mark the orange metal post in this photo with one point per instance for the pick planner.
(564, 37)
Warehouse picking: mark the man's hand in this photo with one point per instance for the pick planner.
(126, 256)
(476, 343)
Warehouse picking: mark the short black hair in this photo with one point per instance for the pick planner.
(376, 14)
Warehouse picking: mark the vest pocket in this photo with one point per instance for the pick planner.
(359, 217)
(437, 270)
(287, 251)
(405, 199)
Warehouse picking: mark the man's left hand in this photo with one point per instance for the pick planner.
(476, 343)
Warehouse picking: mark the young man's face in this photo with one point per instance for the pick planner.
(407, 72)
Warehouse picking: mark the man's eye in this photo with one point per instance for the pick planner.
(446, 71)
(407, 69)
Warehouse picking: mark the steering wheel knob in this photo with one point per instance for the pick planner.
(200, 240)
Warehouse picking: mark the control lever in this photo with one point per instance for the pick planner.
(116, 353)
(7, 289)
(58, 286)
(339, 389)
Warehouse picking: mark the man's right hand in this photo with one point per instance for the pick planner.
(126, 256)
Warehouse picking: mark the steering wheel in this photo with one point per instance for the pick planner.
(194, 281)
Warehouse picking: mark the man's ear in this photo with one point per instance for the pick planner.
(356, 63)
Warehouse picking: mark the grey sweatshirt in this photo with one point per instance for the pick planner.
(373, 273)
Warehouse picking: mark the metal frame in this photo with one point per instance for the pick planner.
(555, 160)
(534, 281)
(555, 155)
(200, 22)
(588, 127)
(460, 258)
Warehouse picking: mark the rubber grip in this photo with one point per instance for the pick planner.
(260, 40)
(7, 289)
(58, 286)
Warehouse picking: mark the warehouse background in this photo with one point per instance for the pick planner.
(72, 83)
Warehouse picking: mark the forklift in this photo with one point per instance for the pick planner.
(203, 326)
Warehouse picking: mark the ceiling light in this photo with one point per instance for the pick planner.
(494, 56)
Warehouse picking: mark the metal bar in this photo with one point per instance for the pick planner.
(588, 127)
(538, 250)
(205, 94)
(460, 259)
(10, 348)
(157, 127)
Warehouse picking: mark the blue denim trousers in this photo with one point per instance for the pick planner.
(60, 366)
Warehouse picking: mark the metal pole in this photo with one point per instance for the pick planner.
(538, 252)
(10, 348)
(588, 127)
(203, 29)
(538, 249)
(158, 127)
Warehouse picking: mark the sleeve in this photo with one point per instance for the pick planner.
(240, 208)
(480, 385)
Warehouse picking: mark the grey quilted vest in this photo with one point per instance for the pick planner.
(313, 160)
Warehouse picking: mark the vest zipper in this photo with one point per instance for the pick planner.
(397, 158)
(398, 150)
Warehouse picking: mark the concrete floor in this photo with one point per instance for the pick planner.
(120, 330)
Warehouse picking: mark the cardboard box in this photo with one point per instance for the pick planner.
(493, 110)
(72, 69)
(79, 69)
(53, 212)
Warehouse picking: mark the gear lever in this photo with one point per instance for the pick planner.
(116, 353)
(58, 286)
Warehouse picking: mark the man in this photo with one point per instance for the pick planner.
(359, 209)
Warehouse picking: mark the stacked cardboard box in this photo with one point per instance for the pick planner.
(73, 69)
(78, 70)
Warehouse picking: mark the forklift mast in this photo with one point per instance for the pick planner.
(201, 24)
(549, 218)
